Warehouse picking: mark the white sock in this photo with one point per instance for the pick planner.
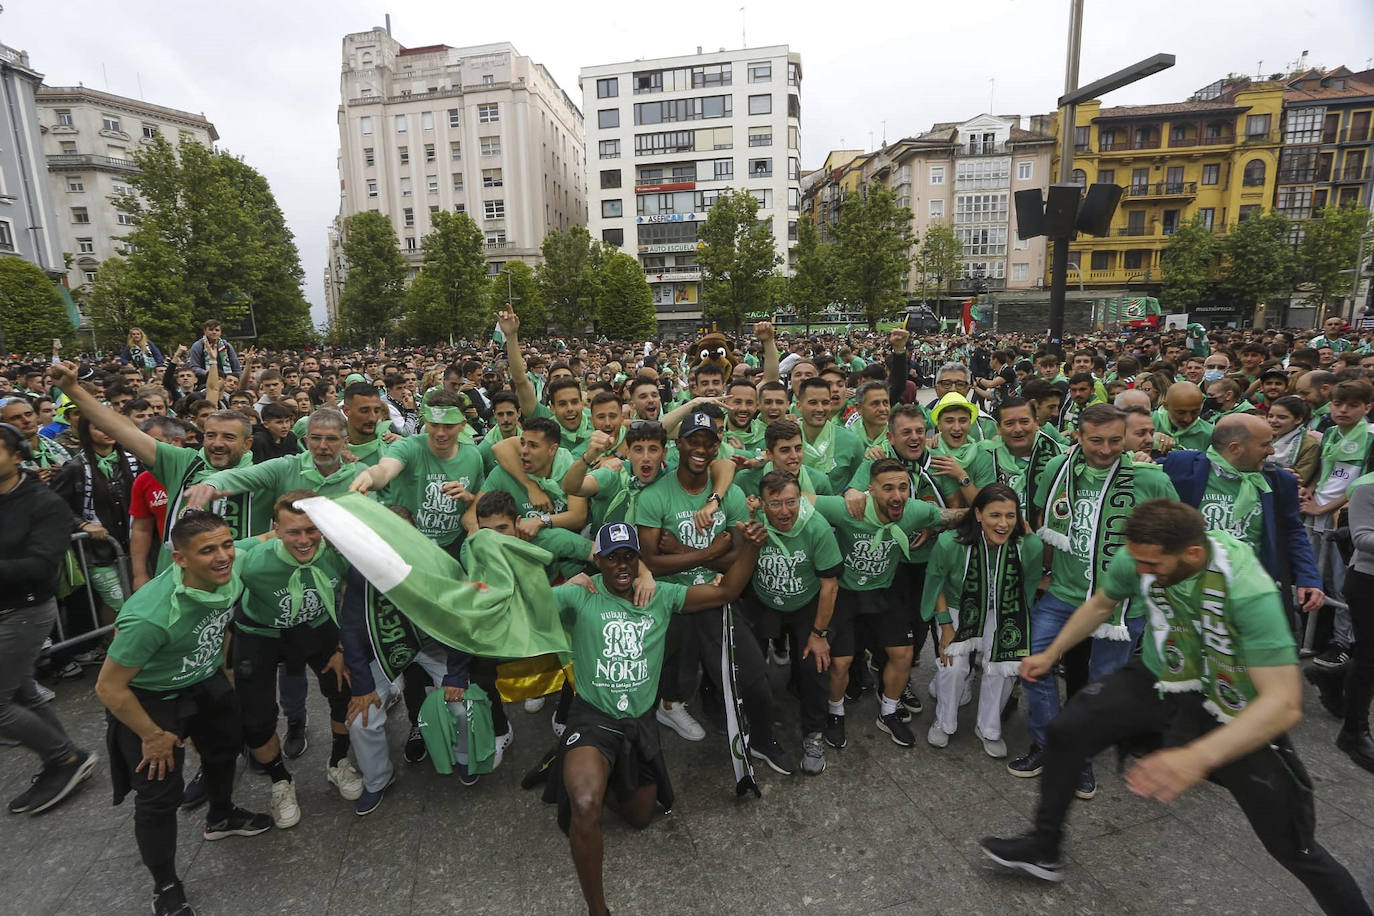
(886, 707)
(836, 707)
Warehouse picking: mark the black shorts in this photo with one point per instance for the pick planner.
(254, 662)
(630, 746)
(875, 618)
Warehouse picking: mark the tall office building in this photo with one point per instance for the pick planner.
(28, 224)
(665, 136)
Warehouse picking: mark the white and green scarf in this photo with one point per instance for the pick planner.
(1344, 448)
(993, 584)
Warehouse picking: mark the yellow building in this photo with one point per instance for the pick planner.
(1214, 156)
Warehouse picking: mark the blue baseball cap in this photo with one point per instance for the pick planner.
(698, 421)
(614, 536)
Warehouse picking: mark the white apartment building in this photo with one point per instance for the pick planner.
(665, 136)
(90, 138)
(27, 220)
(482, 130)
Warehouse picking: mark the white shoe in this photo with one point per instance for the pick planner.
(780, 657)
(534, 704)
(937, 736)
(347, 780)
(283, 807)
(503, 742)
(993, 747)
(558, 727)
(680, 720)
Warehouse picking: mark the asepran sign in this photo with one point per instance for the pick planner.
(668, 218)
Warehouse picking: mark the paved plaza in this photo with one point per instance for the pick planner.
(883, 829)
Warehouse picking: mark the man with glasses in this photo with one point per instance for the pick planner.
(955, 377)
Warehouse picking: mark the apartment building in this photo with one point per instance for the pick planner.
(665, 136)
(28, 221)
(482, 130)
(90, 139)
(1328, 148)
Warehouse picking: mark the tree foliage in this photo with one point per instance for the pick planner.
(569, 278)
(812, 286)
(517, 284)
(627, 304)
(936, 261)
(1330, 244)
(374, 292)
(1188, 263)
(31, 309)
(737, 257)
(873, 242)
(1258, 260)
(451, 294)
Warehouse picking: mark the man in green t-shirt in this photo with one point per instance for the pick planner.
(1180, 417)
(540, 497)
(369, 430)
(783, 451)
(163, 682)
(743, 428)
(959, 464)
(869, 422)
(828, 448)
(505, 415)
(618, 648)
(1216, 686)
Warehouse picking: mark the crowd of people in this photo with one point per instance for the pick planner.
(1131, 542)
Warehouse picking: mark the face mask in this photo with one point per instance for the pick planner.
(1212, 375)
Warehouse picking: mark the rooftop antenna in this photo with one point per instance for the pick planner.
(388, 25)
(139, 77)
(884, 133)
(1259, 69)
(743, 41)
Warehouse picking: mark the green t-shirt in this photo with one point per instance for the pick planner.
(751, 439)
(1218, 510)
(173, 654)
(870, 566)
(570, 552)
(369, 453)
(835, 458)
(271, 479)
(1198, 435)
(810, 480)
(617, 648)
(921, 491)
(419, 487)
(1253, 622)
(575, 441)
(500, 479)
(608, 484)
(492, 437)
(178, 468)
(266, 595)
(786, 575)
(665, 504)
(980, 467)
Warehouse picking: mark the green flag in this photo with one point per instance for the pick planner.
(510, 614)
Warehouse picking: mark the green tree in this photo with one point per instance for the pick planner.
(627, 303)
(1330, 244)
(374, 289)
(31, 309)
(568, 278)
(936, 261)
(450, 295)
(1257, 260)
(518, 284)
(1188, 263)
(811, 288)
(873, 242)
(737, 258)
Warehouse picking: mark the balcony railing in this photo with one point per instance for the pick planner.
(90, 161)
(1204, 140)
(1163, 189)
(1355, 173)
(1135, 230)
(1252, 181)
(981, 149)
(1352, 135)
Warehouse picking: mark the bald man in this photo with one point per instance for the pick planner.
(1235, 492)
(1180, 417)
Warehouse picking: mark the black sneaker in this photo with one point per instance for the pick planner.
(468, 778)
(238, 823)
(1029, 764)
(296, 740)
(56, 783)
(834, 731)
(1025, 853)
(1330, 688)
(773, 755)
(1360, 748)
(195, 794)
(1334, 658)
(1087, 784)
(24, 800)
(171, 901)
(534, 776)
(416, 752)
(910, 701)
(892, 724)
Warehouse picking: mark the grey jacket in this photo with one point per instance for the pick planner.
(1362, 528)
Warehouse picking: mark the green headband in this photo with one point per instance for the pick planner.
(453, 415)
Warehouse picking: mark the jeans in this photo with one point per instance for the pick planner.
(1332, 570)
(1270, 784)
(369, 741)
(23, 716)
(1042, 697)
(1359, 676)
(293, 688)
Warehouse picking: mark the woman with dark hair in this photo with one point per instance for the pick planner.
(980, 586)
(1294, 446)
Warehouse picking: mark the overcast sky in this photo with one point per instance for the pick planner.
(267, 74)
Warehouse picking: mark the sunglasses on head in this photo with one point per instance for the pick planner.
(647, 425)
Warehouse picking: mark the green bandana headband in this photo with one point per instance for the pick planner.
(295, 588)
(450, 415)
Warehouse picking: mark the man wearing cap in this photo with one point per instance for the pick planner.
(612, 739)
(959, 466)
(677, 550)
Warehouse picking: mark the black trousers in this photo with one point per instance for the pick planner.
(255, 659)
(694, 641)
(1270, 784)
(812, 686)
(206, 713)
(1359, 675)
(482, 672)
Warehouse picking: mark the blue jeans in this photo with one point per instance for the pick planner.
(1042, 698)
(293, 688)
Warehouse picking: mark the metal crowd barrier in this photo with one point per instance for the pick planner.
(1327, 544)
(121, 564)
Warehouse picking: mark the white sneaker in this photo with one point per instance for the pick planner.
(993, 747)
(558, 727)
(503, 742)
(780, 657)
(347, 780)
(534, 704)
(680, 720)
(283, 807)
(937, 737)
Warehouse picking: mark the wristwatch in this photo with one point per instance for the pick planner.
(965, 481)
(546, 519)
(823, 633)
(715, 496)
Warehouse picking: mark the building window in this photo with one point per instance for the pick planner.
(429, 152)
(1211, 173)
(793, 168)
(1256, 125)
(611, 209)
(1254, 174)
(494, 209)
(433, 208)
(400, 124)
(83, 246)
(124, 219)
(608, 88)
(369, 157)
(89, 275)
(760, 104)
(491, 178)
(1079, 178)
(64, 118)
(791, 230)
(1081, 137)
(760, 168)
(613, 237)
(488, 79)
(693, 109)
(1020, 272)
(760, 136)
(610, 178)
(1248, 211)
(607, 118)
(1106, 176)
(1304, 125)
(937, 174)
(609, 149)
(405, 187)
(490, 146)
(457, 181)
(453, 117)
(455, 151)
(724, 169)
(110, 122)
(937, 209)
(427, 120)
(80, 216)
(365, 123)
(488, 113)
(149, 131)
(431, 184)
(793, 199)
(404, 153)
(1207, 215)
(410, 243)
(672, 141)
(761, 72)
(372, 187)
(460, 208)
(366, 92)
(76, 183)
(496, 238)
(1024, 171)
(494, 268)
(408, 216)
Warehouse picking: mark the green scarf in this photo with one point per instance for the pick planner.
(749, 438)
(108, 464)
(805, 509)
(1115, 504)
(395, 640)
(364, 450)
(821, 453)
(630, 488)
(1252, 483)
(1010, 468)
(1344, 448)
(1165, 424)
(294, 586)
(994, 583)
(310, 472)
(217, 600)
(892, 529)
(964, 454)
